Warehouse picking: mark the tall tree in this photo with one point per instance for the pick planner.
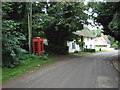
(30, 28)
(108, 15)
(59, 21)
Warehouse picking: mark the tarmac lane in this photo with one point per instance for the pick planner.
(87, 71)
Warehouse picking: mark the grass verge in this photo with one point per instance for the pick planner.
(82, 53)
(26, 66)
(0, 75)
(101, 51)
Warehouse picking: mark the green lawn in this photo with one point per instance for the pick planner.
(24, 67)
(90, 52)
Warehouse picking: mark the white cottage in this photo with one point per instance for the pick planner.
(88, 39)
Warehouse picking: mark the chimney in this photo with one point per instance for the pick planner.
(102, 35)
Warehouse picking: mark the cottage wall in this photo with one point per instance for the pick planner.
(89, 43)
(73, 46)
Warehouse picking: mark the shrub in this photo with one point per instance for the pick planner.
(89, 50)
(11, 49)
(76, 51)
(92, 50)
(33, 57)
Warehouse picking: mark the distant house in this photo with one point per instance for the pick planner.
(102, 43)
(88, 39)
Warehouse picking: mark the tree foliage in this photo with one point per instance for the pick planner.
(97, 32)
(11, 43)
(59, 21)
(108, 15)
(114, 44)
(55, 21)
(13, 33)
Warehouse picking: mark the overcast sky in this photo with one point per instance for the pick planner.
(89, 12)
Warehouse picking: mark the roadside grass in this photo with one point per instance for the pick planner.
(101, 51)
(25, 66)
(0, 75)
(82, 53)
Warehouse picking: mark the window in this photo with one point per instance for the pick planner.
(36, 47)
(73, 45)
(90, 46)
(91, 38)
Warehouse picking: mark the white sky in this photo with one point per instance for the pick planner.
(89, 12)
(93, 26)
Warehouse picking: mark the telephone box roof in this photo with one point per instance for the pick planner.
(37, 38)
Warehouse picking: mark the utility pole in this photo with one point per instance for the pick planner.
(30, 28)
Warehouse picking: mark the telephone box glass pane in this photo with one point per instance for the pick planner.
(36, 47)
(41, 46)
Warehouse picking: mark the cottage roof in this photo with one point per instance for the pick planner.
(100, 41)
(85, 32)
(106, 38)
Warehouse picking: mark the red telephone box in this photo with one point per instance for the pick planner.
(38, 46)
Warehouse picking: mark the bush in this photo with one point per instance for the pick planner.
(11, 52)
(11, 44)
(92, 50)
(33, 57)
(89, 50)
(76, 51)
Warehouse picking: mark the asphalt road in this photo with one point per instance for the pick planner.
(87, 71)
